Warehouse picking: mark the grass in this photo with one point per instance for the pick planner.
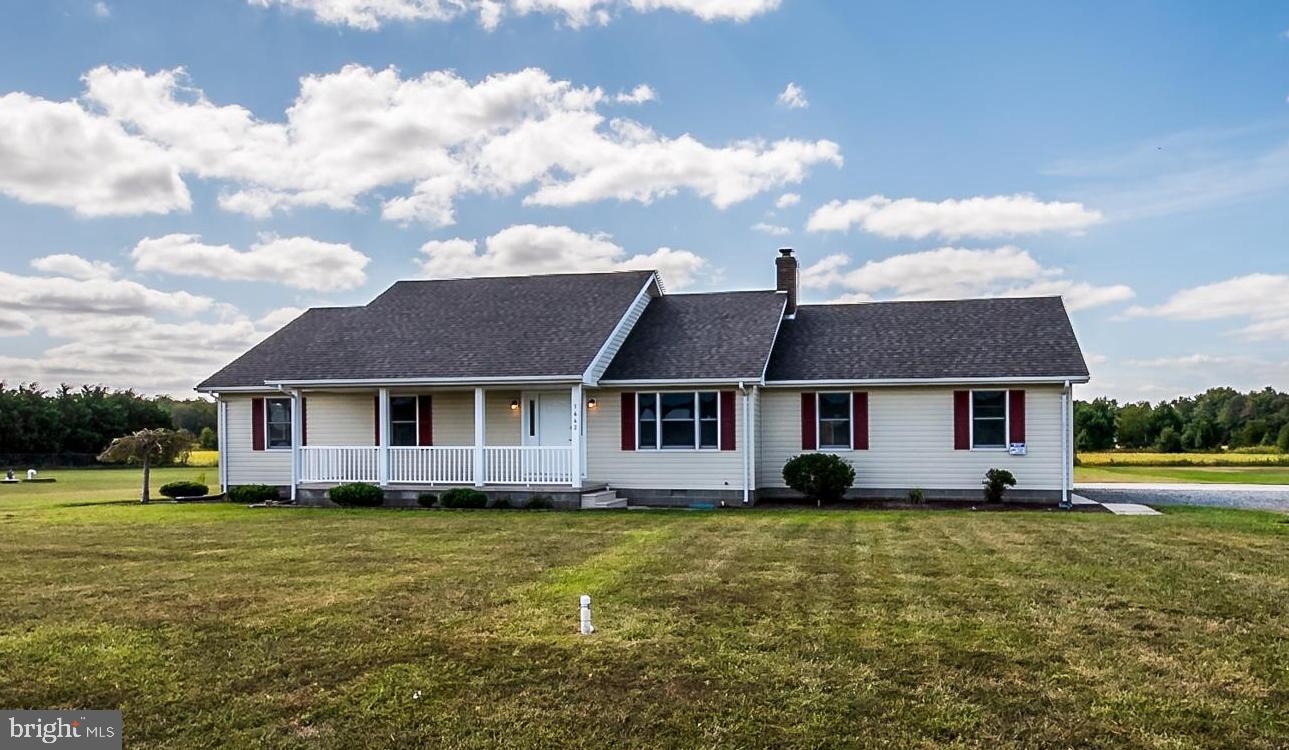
(216, 625)
(98, 485)
(1133, 458)
(1195, 475)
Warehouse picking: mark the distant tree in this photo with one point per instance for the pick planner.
(1169, 441)
(192, 415)
(1282, 442)
(208, 440)
(148, 447)
(1094, 424)
(1136, 425)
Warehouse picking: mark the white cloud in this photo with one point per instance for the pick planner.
(530, 249)
(15, 323)
(301, 262)
(1167, 377)
(66, 264)
(60, 294)
(793, 97)
(638, 95)
(787, 200)
(351, 133)
(60, 154)
(372, 14)
(956, 273)
(1262, 299)
(981, 216)
(102, 10)
(772, 229)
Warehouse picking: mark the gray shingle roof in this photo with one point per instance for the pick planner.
(529, 326)
(685, 336)
(974, 338)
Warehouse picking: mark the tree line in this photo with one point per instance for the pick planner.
(85, 420)
(1215, 419)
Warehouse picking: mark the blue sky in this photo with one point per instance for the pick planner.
(160, 215)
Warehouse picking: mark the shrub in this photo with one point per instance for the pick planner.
(463, 497)
(427, 499)
(917, 496)
(540, 502)
(252, 493)
(822, 476)
(357, 495)
(996, 483)
(184, 489)
(208, 439)
(502, 503)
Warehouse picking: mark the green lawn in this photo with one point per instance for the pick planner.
(216, 625)
(1197, 475)
(90, 485)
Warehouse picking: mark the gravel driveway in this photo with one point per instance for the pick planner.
(1251, 496)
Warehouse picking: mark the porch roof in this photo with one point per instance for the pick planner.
(486, 328)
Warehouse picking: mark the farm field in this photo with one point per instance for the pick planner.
(1127, 458)
(1184, 474)
(351, 629)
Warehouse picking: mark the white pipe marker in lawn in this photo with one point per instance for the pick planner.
(586, 628)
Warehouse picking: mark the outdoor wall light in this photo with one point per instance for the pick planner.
(590, 404)
(514, 405)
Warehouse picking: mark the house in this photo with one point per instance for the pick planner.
(602, 383)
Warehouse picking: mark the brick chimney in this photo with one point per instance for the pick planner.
(785, 267)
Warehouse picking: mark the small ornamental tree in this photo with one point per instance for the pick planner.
(996, 483)
(822, 476)
(148, 447)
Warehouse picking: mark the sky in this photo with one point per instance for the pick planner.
(178, 180)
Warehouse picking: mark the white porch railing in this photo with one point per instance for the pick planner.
(340, 464)
(527, 464)
(432, 465)
(512, 464)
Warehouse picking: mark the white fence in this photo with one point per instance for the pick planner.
(519, 465)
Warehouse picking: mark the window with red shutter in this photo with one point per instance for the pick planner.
(727, 421)
(257, 424)
(962, 420)
(808, 426)
(859, 420)
(1016, 417)
(424, 420)
(628, 421)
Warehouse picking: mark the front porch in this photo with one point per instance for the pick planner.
(527, 437)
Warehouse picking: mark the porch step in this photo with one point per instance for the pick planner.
(601, 500)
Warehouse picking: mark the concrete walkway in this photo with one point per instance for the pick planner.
(1119, 509)
(1247, 496)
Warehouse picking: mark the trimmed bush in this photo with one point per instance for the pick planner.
(996, 483)
(184, 489)
(540, 502)
(917, 496)
(502, 503)
(463, 497)
(824, 477)
(427, 499)
(252, 493)
(357, 495)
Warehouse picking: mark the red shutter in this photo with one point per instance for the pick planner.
(376, 418)
(257, 424)
(727, 421)
(628, 421)
(962, 420)
(424, 420)
(808, 428)
(1016, 416)
(859, 420)
(304, 421)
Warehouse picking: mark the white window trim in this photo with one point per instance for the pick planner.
(850, 422)
(698, 432)
(416, 401)
(290, 408)
(1007, 420)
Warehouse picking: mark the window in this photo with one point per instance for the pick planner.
(834, 421)
(402, 421)
(989, 419)
(678, 420)
(277, 422)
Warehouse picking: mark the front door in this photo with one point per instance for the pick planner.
(547, 418)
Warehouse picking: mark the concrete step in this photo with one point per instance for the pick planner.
(602, 499)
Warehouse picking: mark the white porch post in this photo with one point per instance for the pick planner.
(480, 434)
(746, 419)
(296, 436)
(382, 470)
(575, 438)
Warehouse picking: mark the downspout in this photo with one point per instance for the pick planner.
(747, 449)
(1067, 455)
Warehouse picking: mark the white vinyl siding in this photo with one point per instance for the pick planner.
(340, 418)
(245, 465)
(911, 441)
(652, 469)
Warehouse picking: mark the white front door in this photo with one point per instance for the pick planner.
(547, 418)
